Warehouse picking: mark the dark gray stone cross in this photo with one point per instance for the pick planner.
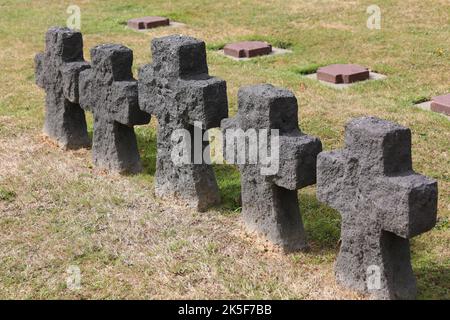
(383, 203)
(109, 90)
(270, 201)
(57, 71)
(177, 89)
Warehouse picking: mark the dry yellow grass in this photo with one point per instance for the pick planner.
(127, 243)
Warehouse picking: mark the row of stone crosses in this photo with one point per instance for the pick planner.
(383, 202)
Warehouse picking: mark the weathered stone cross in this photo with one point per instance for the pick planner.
(383, 203)
(57, 71)
(270, 202)
(177, 89)
(110, 92)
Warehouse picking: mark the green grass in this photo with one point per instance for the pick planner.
(57, 210)
(228, 179)
(7, 195)
(307, 69)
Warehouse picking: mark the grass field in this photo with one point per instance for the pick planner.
(56, 210)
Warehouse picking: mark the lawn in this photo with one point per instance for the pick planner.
(58, 211)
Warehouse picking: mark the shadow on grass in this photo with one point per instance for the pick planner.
(322, 224)
(146, 140)
(433, 281)
(90, 124)
(228, 179)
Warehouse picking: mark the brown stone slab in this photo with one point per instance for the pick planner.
(247, 49)
(148, 22)
(441, 104)
(343, 73)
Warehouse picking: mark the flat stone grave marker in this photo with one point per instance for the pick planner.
(151, 22)
(269, 198)
(439, 104)
(344, 75)
(245, 50)
(383, 203)
(147, 22)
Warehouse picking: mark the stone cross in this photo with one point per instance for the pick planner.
(110, 92)
(383, 203)
(57, 71)
(269, 201)
(177, 89)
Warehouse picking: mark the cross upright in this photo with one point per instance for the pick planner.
(178, 90)
(109, 90)
(57, 71)
(383, 203)
(269, 199)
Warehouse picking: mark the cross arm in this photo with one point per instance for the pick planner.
(150, 89)
(297, 161)
(85, 84)
(124, 104)
(70, 79)
(206, 99)
(407, 203)
(39, 69)
(331, 179)
(228, 124)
